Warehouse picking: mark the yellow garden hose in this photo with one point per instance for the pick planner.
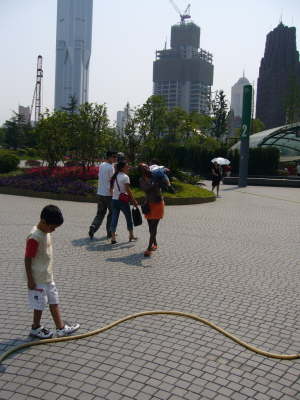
(155, 312)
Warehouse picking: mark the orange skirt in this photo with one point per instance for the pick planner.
(156, 210)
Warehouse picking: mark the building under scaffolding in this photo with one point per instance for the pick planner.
(183, 74)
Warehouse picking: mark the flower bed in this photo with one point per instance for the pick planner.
(81, 173)
(78, 184)
(46, 183)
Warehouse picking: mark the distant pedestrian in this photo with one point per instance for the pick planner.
(121, 198)
(106, 171)
(39, 273)
(155, 204)
(216, 171)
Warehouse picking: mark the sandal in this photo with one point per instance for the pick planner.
(154, 247)
(147, 253)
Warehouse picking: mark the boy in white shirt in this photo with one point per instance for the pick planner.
(39, 274)
(106, 171)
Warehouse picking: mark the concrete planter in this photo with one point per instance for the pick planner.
(265, 181)
(92, 198)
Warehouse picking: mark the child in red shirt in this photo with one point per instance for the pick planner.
(39, 274)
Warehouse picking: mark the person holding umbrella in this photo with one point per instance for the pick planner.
(217, 172)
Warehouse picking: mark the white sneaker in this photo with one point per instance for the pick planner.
(67, 330)
(41, 333)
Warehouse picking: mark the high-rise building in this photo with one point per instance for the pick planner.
(121, 121)
(25, 114)
(73, 51)
(279, 72)
(237, 92)
(183, 74)
(123, 117)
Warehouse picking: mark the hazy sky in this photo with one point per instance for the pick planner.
(126, 34)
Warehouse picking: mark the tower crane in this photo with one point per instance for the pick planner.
(37, 94)
(186, 13)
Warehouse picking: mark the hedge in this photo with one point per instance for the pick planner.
(8, 161)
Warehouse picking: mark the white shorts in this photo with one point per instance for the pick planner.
(45, 293)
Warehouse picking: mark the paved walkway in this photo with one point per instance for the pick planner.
(234, 262)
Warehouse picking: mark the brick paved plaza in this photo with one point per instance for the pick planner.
(235, 262)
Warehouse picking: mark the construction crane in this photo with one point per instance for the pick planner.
(186, 13)
(37, 94)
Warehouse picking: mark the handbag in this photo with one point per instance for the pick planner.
(145, 207)
(122, 196)
(136, 216)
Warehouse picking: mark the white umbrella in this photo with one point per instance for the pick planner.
(221, 161)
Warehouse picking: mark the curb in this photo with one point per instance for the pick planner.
(264, 181)
(93, 198)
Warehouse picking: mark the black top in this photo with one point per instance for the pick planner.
(152, 190)
(216, 173)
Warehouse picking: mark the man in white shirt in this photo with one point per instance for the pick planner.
(106, 171)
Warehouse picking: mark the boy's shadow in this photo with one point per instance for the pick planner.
(8, 345)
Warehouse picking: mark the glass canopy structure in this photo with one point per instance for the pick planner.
(286, 138)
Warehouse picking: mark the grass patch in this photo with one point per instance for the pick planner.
(183, 190)
(12, 173)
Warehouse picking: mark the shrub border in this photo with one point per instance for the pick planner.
(92, 198)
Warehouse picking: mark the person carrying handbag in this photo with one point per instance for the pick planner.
(153, 206)
(121, 198)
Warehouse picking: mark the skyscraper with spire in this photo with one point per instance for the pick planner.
(279, 73)
(73, 51)
(183, 74)
(237, 91)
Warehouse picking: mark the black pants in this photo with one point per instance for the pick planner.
(104, 204)
(152, 224)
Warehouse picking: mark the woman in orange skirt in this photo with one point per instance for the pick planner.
(155, 202)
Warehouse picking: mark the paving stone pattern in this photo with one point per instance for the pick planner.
(234, 262)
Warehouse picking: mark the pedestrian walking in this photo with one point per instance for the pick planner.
(216, 171)
(39, 274)
(104, 194)
(121, 198)
(153, 205)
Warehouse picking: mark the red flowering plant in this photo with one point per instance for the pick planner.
(75, 172)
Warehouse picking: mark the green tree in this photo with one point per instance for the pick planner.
(175, 121)
(256, 126)
(52, 131)
(91, 133)
(2, 136)
(220, 114)
(151, 117)
(202, 123)
(131, 136)
(15, 132)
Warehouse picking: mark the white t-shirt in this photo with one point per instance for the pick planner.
(42, 268)
(106, 171)
(122, 180)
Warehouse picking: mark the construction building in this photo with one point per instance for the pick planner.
(25, 114)
(183, 74)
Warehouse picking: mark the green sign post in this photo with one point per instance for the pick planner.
(245, 132)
